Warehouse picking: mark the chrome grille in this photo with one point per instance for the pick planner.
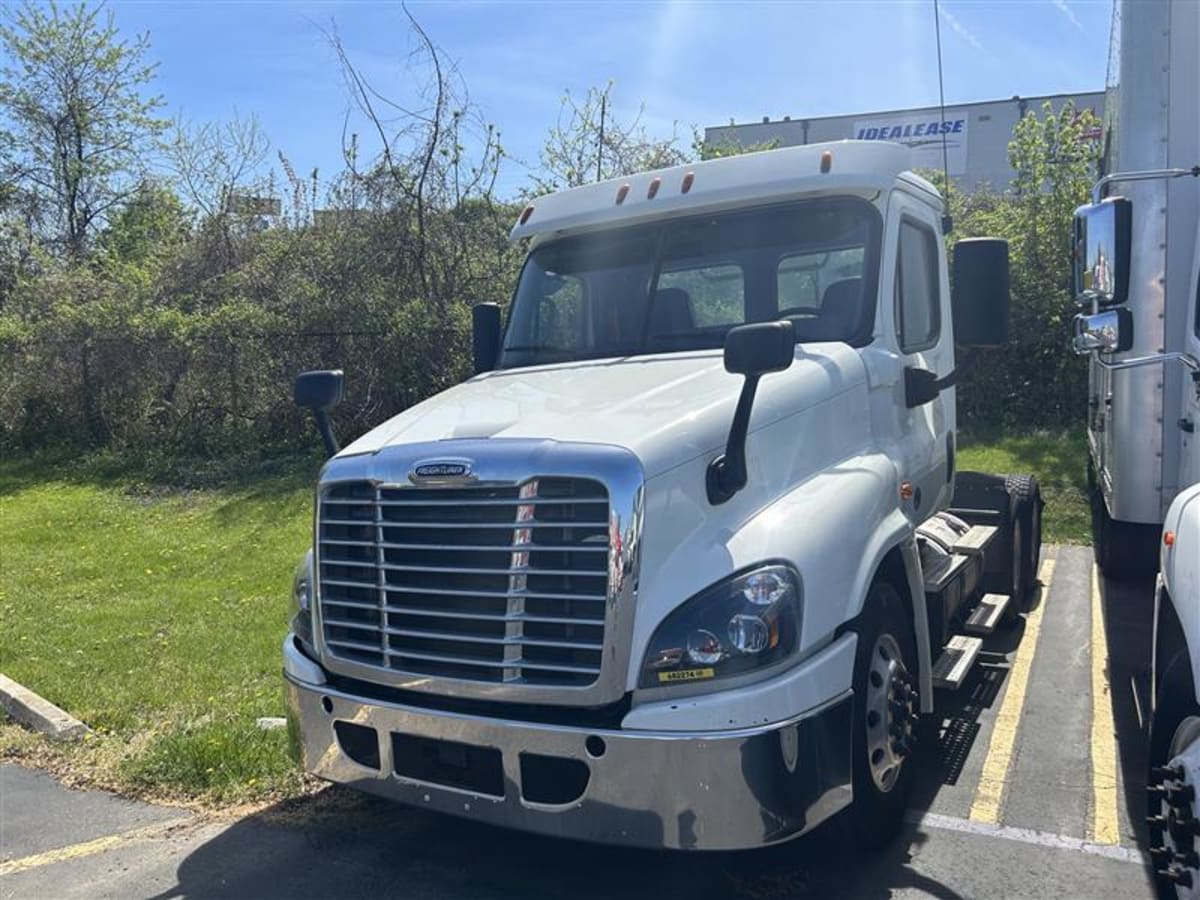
(495, 584)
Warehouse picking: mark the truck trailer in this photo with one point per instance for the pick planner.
(1137, 269)
(683, 563)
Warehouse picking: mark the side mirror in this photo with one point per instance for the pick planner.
(1100, 269)
(321, 391)
(485, 336)
(753, 351)
(1110, 331)
(980, 296)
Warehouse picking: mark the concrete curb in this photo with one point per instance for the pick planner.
(38, 713)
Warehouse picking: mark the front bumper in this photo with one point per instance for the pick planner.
(717, 790)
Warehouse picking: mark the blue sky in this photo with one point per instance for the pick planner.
(690, 63)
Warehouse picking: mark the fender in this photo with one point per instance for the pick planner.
(860, 499)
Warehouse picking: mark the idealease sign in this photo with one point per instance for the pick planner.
(924, 136)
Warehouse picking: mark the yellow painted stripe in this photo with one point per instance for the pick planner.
(1105, 827)
(89, 848)
(990, 792)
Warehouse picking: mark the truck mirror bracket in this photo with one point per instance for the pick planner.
(727, 473)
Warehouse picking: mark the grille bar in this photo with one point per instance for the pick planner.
(484, 583)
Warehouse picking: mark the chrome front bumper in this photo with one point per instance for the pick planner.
(717, 790)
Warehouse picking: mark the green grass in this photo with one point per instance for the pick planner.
(1058, 459)
(153, 606)
(155, 614)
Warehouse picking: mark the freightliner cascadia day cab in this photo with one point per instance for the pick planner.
(683, 563)
(1137, 258)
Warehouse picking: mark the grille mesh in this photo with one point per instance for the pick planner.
(493, 584)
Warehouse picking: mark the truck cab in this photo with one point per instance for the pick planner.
(675, 568)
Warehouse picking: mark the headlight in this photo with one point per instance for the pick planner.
(739, 625)
(302, 593)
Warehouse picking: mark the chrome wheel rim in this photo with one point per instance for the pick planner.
(890, 711)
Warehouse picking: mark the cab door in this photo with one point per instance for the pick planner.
(922, 329)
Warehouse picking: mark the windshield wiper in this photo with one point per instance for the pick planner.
(537, 348)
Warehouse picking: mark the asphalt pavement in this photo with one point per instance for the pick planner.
(1035, 790)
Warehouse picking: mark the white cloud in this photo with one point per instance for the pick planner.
(960, 29)
(1061, 6)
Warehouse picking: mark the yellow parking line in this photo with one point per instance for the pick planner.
(990, 792)
(1105, 827)
(88, 848)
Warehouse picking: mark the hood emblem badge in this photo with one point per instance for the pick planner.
(436, 470)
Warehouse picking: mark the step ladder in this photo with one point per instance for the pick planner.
(952, 667)
(987, 615)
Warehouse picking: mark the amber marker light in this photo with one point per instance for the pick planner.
(525, 214)
(826, 161)
(653, 189)
(622, 193)
(687, 182)
(1169, 538)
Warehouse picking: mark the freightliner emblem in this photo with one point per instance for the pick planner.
(440, 470)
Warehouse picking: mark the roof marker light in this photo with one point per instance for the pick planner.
(653, 189)
(1169, 538)
(687, 182)
(622, 191)
(525, 214)
(826, 161)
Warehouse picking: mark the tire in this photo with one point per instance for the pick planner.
(884, 630)
(1025, 514)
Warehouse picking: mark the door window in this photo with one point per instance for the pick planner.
(918, 320)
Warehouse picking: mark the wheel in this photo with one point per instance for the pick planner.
(1172, 802)
(1025, 514)
(886, 719)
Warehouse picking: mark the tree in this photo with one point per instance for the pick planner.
(80, 125)
(214, 160)
(590, 143)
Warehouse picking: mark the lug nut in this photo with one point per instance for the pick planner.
(1162, 855)
(1189, 860)
(1181, 796)
(1176, 875)
(1157, 821)
(1156, 790)
(1166, 773)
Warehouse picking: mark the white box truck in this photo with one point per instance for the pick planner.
(1137, 266)
(677, 567)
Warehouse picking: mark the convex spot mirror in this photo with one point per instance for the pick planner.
(320, 390)
(980, 295)
(760, 348)
(1100, 267)
(1110, 331)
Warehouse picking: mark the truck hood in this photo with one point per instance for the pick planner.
(666, 409)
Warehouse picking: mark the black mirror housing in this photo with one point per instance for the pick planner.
(760, 348)
(320, 390)
(485, 336)
(981, 294)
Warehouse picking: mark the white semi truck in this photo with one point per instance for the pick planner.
(676, 567)
(1137, 257)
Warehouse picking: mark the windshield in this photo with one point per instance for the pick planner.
(682, 284)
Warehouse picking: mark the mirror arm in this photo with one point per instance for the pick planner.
(1147, 175)
(327, 437)
(727, 473)
(1186, 358)
(958, 371)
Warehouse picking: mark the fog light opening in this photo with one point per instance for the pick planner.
(327, 705)
(595, 746)
(552, 780)
(359, 742)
